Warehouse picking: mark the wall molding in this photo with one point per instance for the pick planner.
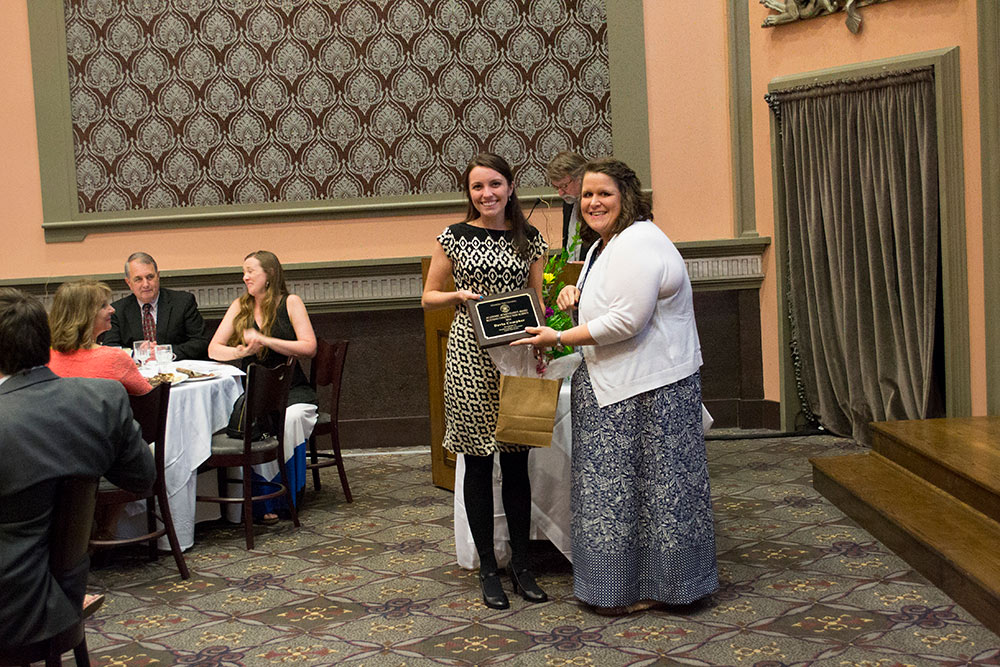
(741, 119)
(326, 287)
(725, 264)
(346, 286)
(734, 272)
(989, 135)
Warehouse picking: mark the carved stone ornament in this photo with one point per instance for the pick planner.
(799, 10)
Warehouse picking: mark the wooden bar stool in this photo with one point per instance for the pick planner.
(266, 396)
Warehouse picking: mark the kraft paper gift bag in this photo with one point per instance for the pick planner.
(527, 410)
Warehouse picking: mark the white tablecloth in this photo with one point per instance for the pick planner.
(549, 471)
(197, 410)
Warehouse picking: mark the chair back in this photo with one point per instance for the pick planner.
(72, 501)
(267, 394)
(72, 517)
(328, 370)
(150, 410)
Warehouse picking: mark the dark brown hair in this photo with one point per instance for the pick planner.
(636, 204)
(512, 211)
(24, 332)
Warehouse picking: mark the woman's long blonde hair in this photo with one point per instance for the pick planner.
(276, 289)
(73, 311)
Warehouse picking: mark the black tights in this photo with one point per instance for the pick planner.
(516, 493)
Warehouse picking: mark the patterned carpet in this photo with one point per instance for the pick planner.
(375, 583)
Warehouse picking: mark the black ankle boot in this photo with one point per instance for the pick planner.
(493, 594)
(524, 584)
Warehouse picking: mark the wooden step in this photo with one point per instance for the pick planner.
(955, 546)
(959, 456)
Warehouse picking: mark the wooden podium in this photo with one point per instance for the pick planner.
(436, 326)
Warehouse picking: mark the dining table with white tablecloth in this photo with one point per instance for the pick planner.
(198, 408)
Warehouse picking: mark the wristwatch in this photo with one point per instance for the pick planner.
(559, 344)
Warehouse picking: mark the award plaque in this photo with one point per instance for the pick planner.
(501, 318)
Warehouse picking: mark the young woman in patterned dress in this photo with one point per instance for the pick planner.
(494, 250)
(642, 525)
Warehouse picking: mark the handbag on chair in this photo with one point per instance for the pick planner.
(237, 422)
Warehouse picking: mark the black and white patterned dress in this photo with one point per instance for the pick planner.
(484, 261)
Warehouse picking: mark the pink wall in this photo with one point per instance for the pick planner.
(687, 84)
(26, 255)
(890, 29)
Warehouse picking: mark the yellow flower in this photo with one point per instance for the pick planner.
(548, 277)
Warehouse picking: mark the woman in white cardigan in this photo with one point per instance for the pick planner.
(642, 525)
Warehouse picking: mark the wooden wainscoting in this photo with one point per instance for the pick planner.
(375, 304)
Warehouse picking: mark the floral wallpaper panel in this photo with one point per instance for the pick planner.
(212, 102)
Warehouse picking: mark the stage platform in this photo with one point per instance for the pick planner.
(930, 491)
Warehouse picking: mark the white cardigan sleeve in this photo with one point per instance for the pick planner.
(636, 273)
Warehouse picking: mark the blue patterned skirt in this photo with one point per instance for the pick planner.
(642, 525)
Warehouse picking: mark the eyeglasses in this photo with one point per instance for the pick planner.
(563, 184)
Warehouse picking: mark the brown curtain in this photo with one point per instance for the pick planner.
(859, 162)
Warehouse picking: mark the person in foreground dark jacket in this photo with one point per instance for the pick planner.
(51, 428)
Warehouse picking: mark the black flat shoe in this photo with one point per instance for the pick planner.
(493, 594)
(524, 584)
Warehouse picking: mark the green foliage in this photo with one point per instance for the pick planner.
(555, 318)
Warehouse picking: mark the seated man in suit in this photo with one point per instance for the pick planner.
(51, 428)
(172, 317)
(565, 173)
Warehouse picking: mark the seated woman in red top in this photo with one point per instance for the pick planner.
(81, 311)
